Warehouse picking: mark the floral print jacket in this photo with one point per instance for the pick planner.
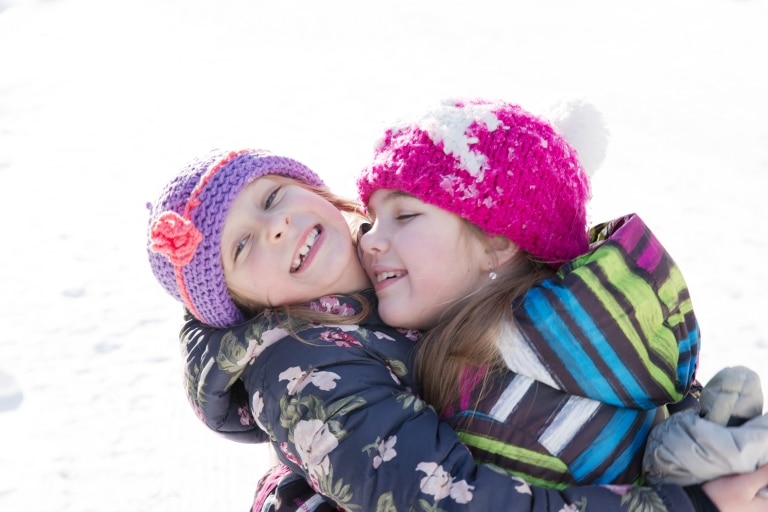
(339, 407)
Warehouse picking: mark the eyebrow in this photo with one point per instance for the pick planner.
(391, 196)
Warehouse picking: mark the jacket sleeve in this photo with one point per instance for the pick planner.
(218, 398)
(342, 420)
(281, 490)
(615, 325)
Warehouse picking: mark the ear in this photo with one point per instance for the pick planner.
(503, 249)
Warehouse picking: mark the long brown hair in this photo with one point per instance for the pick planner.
(302, 312)
(468, 331)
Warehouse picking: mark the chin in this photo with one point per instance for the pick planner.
(393, 319)
(390, 317)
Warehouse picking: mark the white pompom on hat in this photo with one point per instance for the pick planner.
(584, 127)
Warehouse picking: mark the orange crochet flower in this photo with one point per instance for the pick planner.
(175, 237)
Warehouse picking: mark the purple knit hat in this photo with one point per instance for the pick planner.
(186, 221)
(494, 164)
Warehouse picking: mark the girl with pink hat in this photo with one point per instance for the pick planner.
(477, 206)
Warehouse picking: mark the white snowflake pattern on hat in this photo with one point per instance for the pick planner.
(448, 124)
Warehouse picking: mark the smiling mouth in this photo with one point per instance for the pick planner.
(308, 243)
(383, 276)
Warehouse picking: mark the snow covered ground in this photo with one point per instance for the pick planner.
(101, 102)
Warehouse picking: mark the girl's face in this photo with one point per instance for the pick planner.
(420, 258)
(283, 244)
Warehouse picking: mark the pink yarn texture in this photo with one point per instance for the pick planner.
(494, 164)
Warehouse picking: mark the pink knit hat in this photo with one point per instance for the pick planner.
(494, 164)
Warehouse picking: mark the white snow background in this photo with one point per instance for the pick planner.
(102, 101)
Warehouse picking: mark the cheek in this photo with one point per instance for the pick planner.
(366, 262)
(252, 281)
(421, 247)
(457, 273)
(238, 287)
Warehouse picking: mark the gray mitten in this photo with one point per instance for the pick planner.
(733, 396)
(730, 436)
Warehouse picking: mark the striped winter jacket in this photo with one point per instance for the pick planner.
(596, 354)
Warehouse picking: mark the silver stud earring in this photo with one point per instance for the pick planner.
(492, 275)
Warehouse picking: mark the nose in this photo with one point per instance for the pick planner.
(371, 239)
(277, 227)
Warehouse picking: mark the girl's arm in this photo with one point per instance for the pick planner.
(615, 325)
(218, 398)
(341, 418)
(737, 493)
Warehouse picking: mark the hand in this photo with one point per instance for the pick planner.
(740, 493)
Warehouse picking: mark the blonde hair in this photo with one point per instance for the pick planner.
(303, 313)
(465, 337)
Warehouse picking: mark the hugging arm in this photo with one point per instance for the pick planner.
(218, 398)
(344, 419)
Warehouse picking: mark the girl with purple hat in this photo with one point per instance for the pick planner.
(243, 232)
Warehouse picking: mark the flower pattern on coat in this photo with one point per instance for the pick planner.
(441, 484)
(298, 379)
(320, 403)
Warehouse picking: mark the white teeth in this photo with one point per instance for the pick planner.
(386, 275)
(308, 243)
